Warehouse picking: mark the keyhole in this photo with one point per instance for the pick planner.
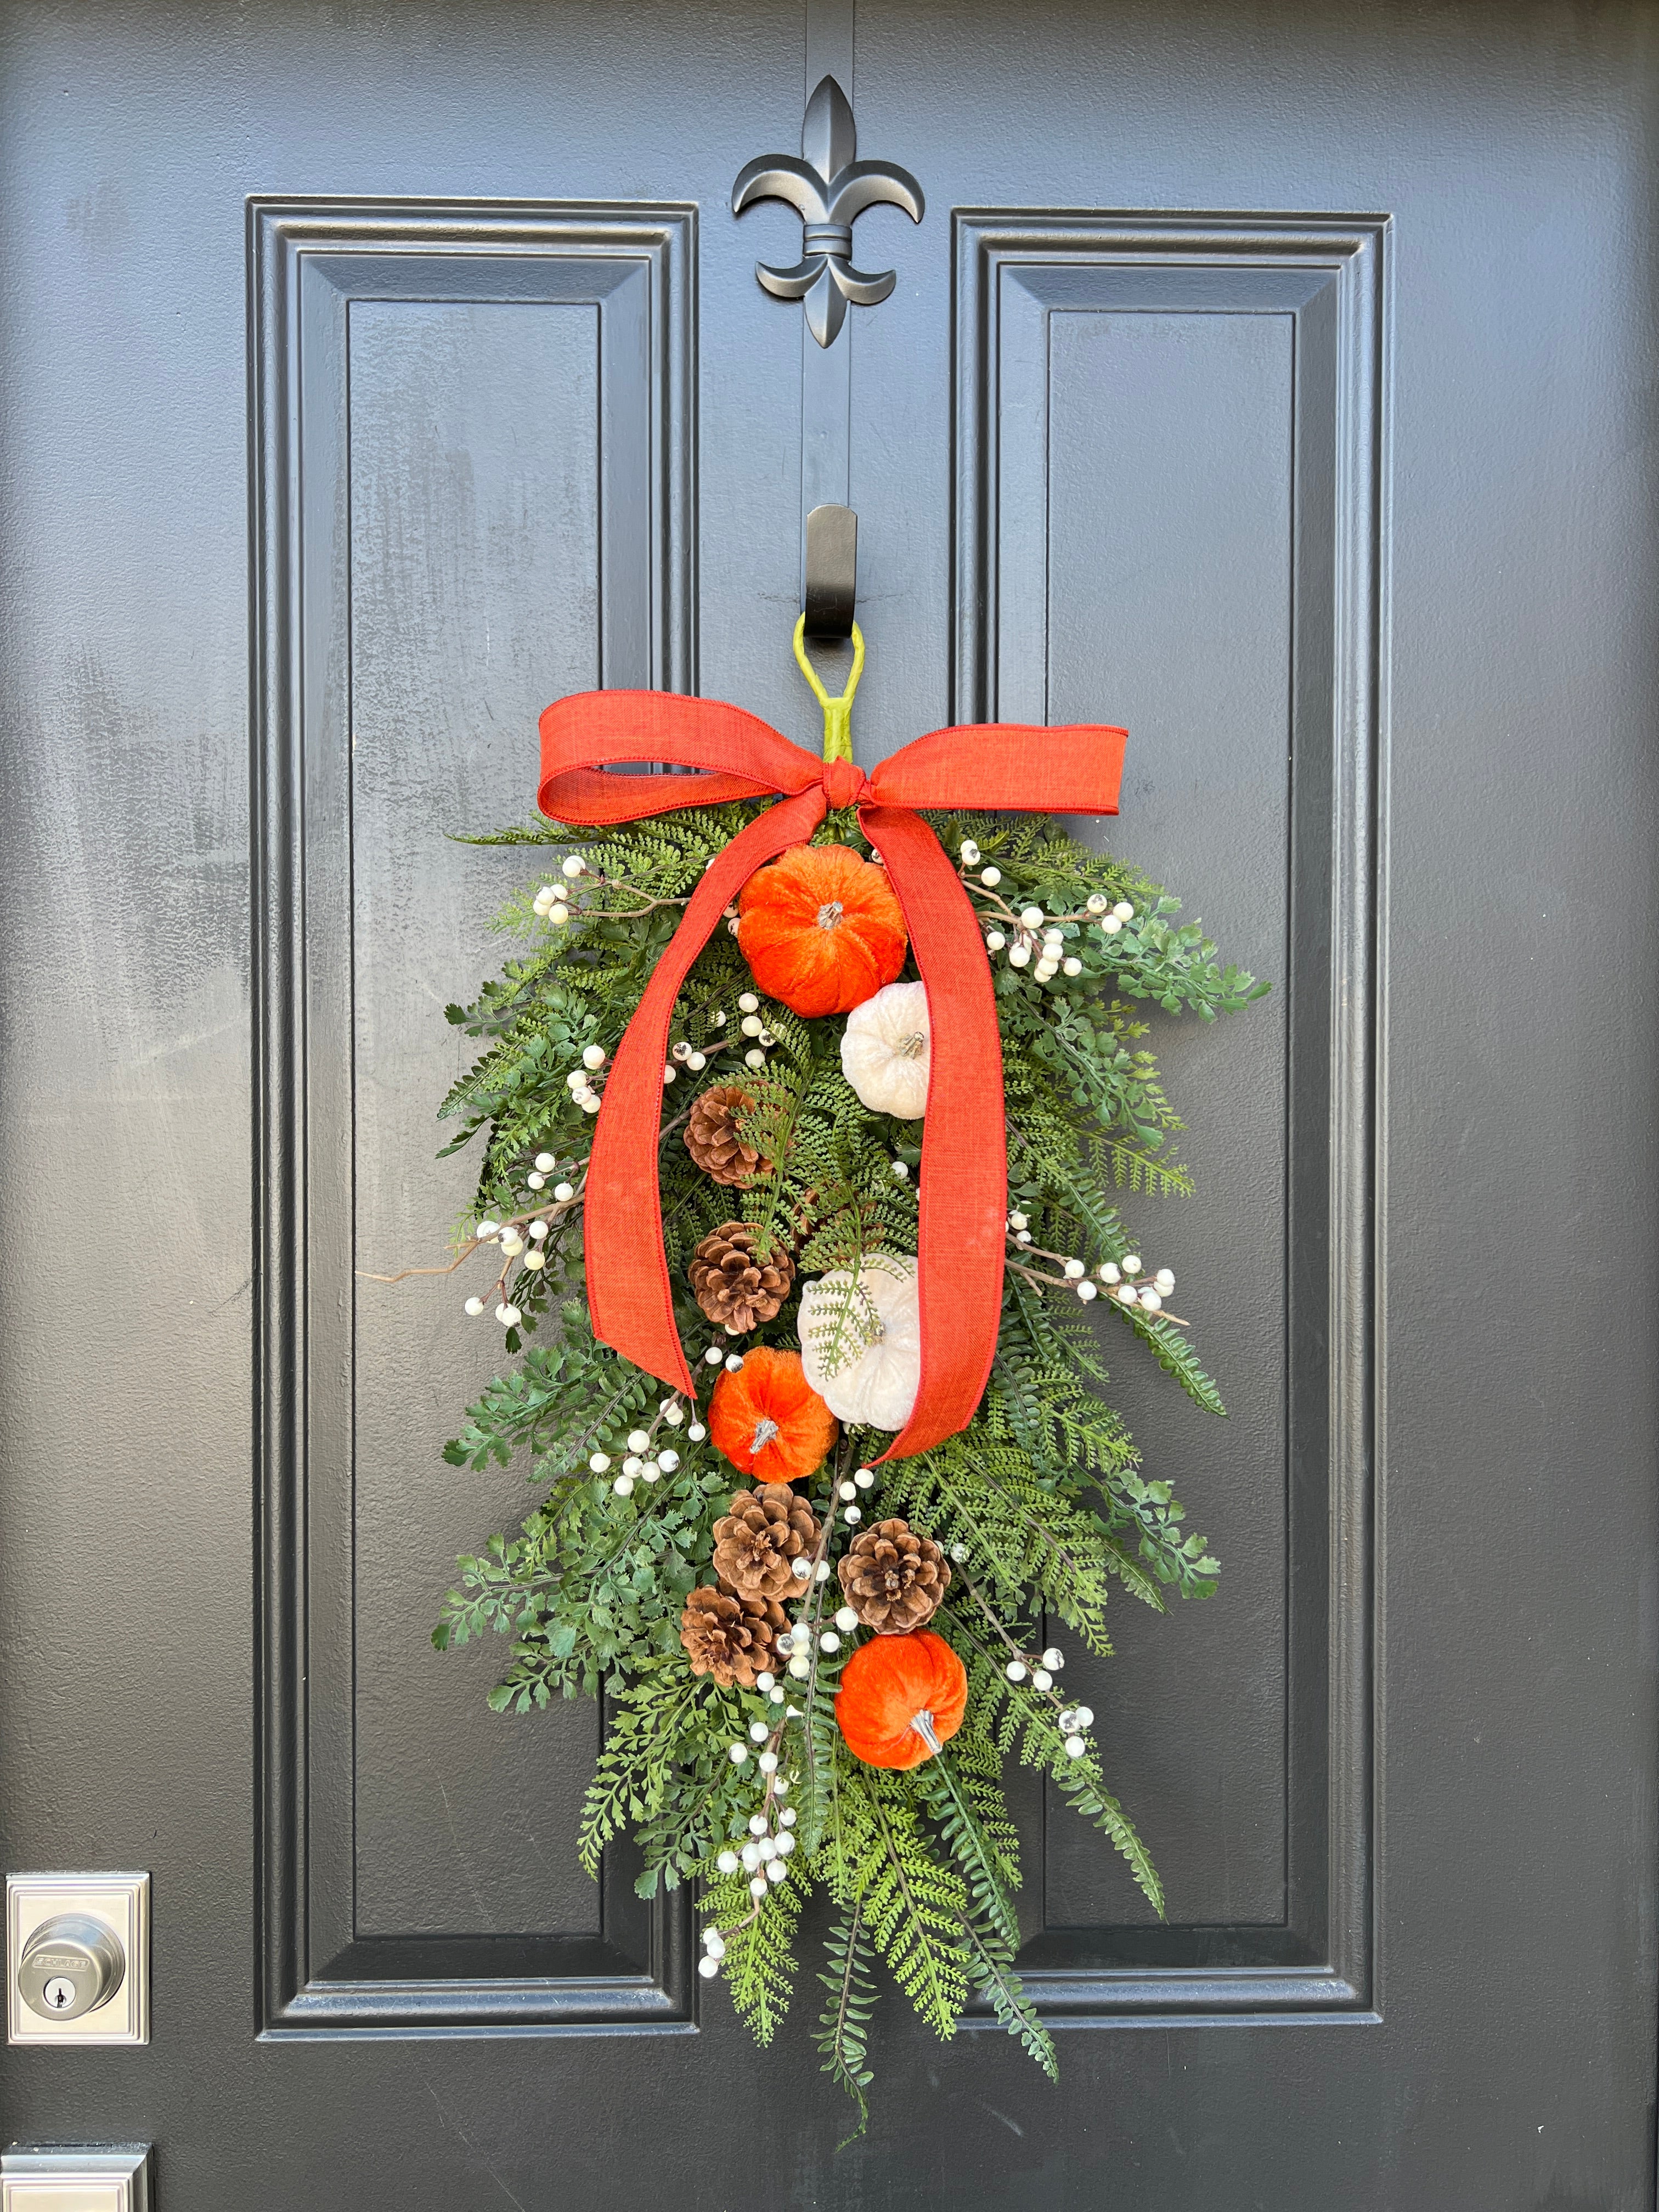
(59, 1993)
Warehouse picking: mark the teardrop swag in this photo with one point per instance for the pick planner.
(907, 1327)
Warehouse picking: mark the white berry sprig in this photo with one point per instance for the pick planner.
(573, 899)
(1030, 937)
(806, 1645)
(1035, 1672)
(755, 1037)
(1125, 1282)
(646, 1455)
(522, 1236)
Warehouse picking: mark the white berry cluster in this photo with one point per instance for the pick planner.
(1130, 1286)
(1036, 938)
(682, 1053)
(1123, 1280)
(524, 1239)
(863, 1478)
(1040, 1672)
(515, 1241)
(551, 900)
(1032, 938)
(753, 1027)
(537, 1179)
(580, 1081)
(762, 1846)
(1040, 939)
(1110, 918)
(644, 1453)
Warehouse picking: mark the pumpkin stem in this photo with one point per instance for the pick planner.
(923, 1724)
(837, 713)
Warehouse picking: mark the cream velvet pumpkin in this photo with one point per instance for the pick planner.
(860, 1340)
(884, 1051)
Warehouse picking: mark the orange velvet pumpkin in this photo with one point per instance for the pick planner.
(768, 1420)
(821, 929)
(895, 1692)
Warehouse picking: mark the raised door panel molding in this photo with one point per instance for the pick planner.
(1171, 507)
(471, 433)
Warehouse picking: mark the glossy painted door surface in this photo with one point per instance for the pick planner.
(1276, 381)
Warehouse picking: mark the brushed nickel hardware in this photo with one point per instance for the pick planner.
(70, 1966)
(64, 2177)
(77, 1958)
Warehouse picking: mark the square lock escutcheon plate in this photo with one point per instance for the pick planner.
(119, 1906)
(96, 2177)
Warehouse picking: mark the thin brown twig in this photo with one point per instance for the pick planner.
(989, 895)
(1070, 1283)
(548, 1213)
(552, 1211)
(1052, 1694)
(602, 882)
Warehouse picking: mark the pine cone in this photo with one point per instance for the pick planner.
(755, 1544)
(712, 1137)
(730, 1636)
(894, 1579)
(733, 1287)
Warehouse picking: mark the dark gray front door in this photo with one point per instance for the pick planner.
(1276, 381)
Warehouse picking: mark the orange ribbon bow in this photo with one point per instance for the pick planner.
(964, 1161)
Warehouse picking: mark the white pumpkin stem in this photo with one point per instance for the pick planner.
(922, 1722)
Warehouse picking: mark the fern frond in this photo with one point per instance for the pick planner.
(991, 1971)
(913, 1907)
(1175, 1356)
(843, 2024)
(632, 1772)
(759, 1965)
(983, 1860)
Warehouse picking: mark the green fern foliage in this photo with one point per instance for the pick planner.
(750, 1791)
(844, 2023)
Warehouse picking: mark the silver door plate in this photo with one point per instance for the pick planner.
(43, 2178)
(121, 1902)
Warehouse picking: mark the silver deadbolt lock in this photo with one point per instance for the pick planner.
(70, 1964)
(77, 1958)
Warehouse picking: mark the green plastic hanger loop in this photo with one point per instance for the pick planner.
(837, 713)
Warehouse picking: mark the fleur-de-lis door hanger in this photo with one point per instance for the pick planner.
(828, 189)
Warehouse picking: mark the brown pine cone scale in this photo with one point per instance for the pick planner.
(893, 1578)
(712, 1138)
(733, 1286)
(731, 1636)
(760, 1537)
